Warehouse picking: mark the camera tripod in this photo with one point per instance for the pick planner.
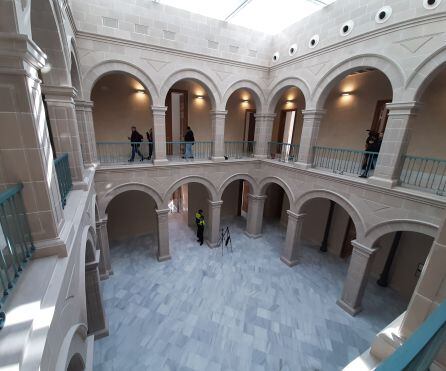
(225, 240)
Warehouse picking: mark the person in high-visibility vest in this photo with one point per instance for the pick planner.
(199, 220)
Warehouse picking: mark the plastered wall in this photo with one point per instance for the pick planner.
(118, 106)
(347, 118)
(131, 214)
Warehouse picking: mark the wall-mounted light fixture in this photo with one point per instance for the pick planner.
(245, 100)
(140, 91)
(346, 94)
(199, 97)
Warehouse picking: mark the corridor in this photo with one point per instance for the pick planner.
(241, 311)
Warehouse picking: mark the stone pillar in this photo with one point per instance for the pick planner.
(64, 127)
(356, 280)
(25, 150)
(105, 261)
(159, 134)
(430, 290)
(214, 223)
(97, 323)
(163, 252)
(255, 215)
(396, 138)
(218, 119)
(263, 132)
(87, 135)
(291, 250)
(310, 130)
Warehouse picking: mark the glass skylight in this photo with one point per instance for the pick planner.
(269, 16)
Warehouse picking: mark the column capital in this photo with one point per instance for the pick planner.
(84, 105)
(218, 113)
(403, 108)
(316, 113)
(159, 110)
(16, 49)
(215, 203)
(295, 216)
(102, 221)
(59, 94)
(162, 212)
(362, 250)
(257, 197)
(265, 115)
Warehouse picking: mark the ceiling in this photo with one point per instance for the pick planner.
(262, 15)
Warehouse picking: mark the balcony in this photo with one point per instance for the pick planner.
(16, 244)
(283, 152)
(63, 177)
(239, 149)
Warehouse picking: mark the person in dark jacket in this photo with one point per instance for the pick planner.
(149, 135)
(372, 144)
(199, 220)
(189, 139)
(135, 140)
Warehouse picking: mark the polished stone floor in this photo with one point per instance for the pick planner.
(241, 311)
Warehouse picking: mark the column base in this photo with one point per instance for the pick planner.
(382, 182)
(261, 157)
(161, 161)
(218, 158)
(101, 333)
(303, 165)
(79, 185)
(55, 246)
(291, 263)
(212, 245)
(164, 258)
(253, 235)
(104, 276)
(350, 310)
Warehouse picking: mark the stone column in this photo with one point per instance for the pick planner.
(64, 127)
(291, 250)
(218, 119)
(214, 223)
(159, 134)
(396, 138)
(25, 150)
(310, 130)
(255, 215)
(356, 280)
(87, 135)
(430, 290)
(163, 252)
(97, 323)
(105, 261)
(263, 132)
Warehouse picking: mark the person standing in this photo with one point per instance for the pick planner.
(189, 139)
(370, 147)
(149, 135)
(135, 140)
(199, 220)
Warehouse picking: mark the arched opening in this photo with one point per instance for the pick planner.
(240, 124)
(121, 102)
(188, 121)
(287, 125)
(76, 363)
(274, 216)
(424, 165)
(234, 210)
(75, 76)
(397, 265)
(352, 128)
(184, 203)
(131, 226)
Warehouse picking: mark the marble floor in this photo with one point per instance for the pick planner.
(242, 311)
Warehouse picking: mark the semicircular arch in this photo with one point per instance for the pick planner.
(264, 183)
(190, 179)
(281, 86)
(252, 87)
(242, 176)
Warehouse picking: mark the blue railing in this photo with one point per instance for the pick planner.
(345, 161)
(16, 244)
(180, 150)
(424, 173)
(421, 349)
(239, 149)
(284, 152)
(121, 152)
(63, 177)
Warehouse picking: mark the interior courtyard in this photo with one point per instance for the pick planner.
(234, 185)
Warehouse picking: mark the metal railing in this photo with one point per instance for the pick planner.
(424, 173)
(345, 161)
(285, 152)
(121, 152)
(421, 349)
(63, 177)
(239, 149)
(176, 151)
(16, 244)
